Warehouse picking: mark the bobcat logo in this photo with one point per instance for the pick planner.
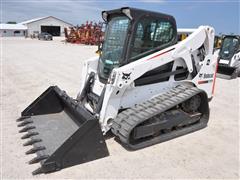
(126, 76)
(208, 75)
(205, 75)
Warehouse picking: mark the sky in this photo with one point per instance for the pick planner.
(222, 15)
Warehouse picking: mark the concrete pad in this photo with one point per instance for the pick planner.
(30, 66)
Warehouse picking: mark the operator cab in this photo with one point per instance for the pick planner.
(132, 34)
(230, 46)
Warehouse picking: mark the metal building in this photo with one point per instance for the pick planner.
(7, 30)
(49, 24)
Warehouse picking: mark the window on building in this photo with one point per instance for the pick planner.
(16, 32)
(4, 31)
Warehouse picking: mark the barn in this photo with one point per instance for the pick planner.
(49, 24)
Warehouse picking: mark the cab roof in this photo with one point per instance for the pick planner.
(133, 13)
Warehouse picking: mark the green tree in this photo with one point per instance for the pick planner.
(11, 22)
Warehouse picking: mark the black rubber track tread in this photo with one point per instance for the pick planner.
(125, 122)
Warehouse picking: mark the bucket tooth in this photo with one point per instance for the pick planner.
(38, 159)
(37, 171)
(29, 134)
(31, 142)
(25, 123)
(35, 149)
(25, 129)
(22, 118)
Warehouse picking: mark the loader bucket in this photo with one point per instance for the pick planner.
(226, 72)
(62, 132)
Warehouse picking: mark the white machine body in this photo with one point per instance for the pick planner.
(121, 93)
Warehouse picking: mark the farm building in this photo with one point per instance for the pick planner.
(35, 26)
(48, 24)
(12, 30)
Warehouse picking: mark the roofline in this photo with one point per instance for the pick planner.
(12, 27)
(46, 18)
(32, 20)
(15, 29)
(231, 35)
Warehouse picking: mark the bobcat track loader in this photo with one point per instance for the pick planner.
(144, 87)
(229, 57)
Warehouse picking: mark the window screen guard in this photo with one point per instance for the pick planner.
(150, 34)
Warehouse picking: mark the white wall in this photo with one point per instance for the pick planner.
(35, 27)
(9, 33)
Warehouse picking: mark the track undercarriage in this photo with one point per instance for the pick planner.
(180, 111)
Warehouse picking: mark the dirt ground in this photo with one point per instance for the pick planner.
(30, 66)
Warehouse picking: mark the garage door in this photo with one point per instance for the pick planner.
(53, 30)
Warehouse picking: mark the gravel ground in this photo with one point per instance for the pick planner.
(30, 66)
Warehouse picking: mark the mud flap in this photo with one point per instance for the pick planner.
(227, 72)
(62, 132)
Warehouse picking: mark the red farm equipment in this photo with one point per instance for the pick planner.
(88, 33)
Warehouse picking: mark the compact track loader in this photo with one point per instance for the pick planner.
(145, 87)
(229, 57)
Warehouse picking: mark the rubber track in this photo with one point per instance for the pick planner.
(127, 120)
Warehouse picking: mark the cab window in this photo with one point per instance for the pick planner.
(150, 34)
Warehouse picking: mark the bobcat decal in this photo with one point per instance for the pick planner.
(126, 76)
